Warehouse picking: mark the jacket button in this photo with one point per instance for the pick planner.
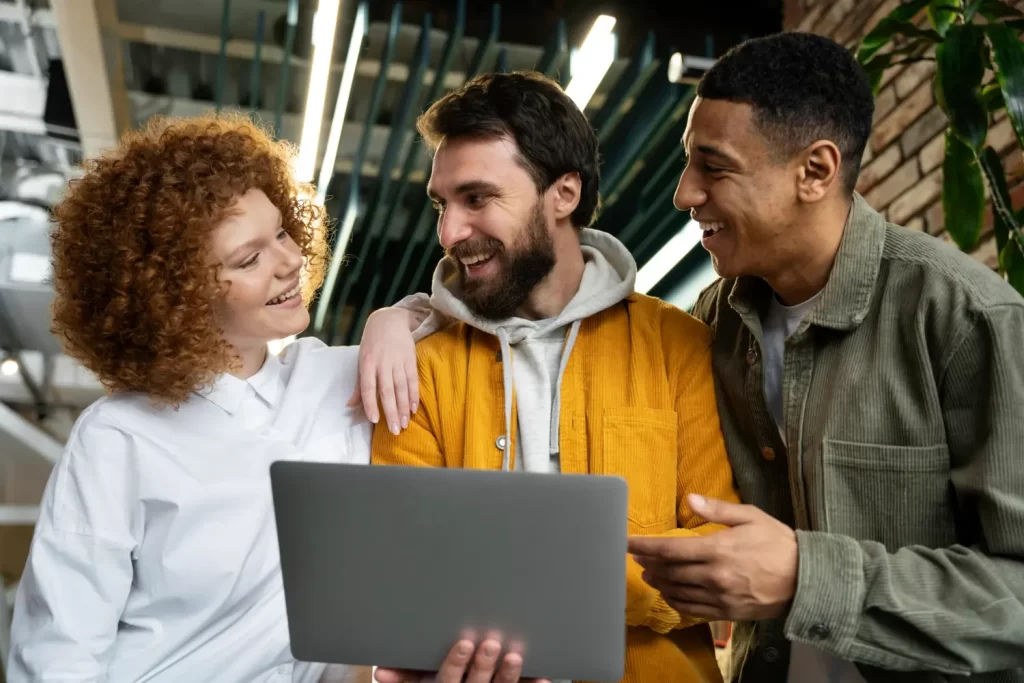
(820, 631)
(768, 454)
(770, 654)
(751, 355)
(500, 442)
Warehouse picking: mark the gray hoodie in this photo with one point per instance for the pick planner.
(535, 352)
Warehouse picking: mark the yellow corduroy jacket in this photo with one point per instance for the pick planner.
(637, 401)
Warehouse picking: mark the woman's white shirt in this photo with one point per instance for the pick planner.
(155, 555)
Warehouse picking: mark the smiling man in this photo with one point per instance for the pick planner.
(553, 363)
(870, 382)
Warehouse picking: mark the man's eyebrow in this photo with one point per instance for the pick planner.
(475, 186)
(466, 188)
(711, 151)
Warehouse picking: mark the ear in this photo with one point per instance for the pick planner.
(566, 194)
(820, 171)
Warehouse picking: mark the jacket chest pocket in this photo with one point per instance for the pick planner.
(640, 445)
(896, 495)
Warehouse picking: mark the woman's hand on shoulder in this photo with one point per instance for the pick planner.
(387, 368)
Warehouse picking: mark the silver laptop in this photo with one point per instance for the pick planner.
(390, 566)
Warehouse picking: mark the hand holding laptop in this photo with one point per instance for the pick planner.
(460, 665)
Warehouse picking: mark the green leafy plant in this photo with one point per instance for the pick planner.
(971, 38)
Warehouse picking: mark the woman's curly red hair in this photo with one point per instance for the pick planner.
(134, 290)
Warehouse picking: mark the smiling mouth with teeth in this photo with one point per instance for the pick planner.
(290, 294)
(476, 259)
(711, 228)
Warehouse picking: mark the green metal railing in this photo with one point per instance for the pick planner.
(255, 84)
(286, 60)
(376, 232)
(222, 59)
(325, 318)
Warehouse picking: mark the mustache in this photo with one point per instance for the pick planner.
(477, 247)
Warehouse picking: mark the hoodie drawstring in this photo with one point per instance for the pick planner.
(506, 376)
(556, 394)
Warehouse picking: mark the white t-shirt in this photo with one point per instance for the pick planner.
(155, 555)
(807, 664)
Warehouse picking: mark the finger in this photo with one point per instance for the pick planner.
(368, 389)
(401, 395)
(683, 573)
(386, 390)
(485, 662)
(454, 666)
(412, 376)
(722, 512)
(511, 668)
(672, 548)
(394, 676)
(688, 593)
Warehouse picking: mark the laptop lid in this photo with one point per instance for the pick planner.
(390, 566)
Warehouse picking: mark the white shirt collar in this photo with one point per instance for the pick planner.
(227, 392)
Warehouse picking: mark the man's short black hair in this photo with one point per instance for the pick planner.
(552, 134)
(802, 87)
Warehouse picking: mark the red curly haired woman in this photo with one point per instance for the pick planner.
(177, 258)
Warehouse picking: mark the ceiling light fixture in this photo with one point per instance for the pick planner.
(591, 62)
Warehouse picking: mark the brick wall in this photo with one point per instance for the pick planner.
(901, 173)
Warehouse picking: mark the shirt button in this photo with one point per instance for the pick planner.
(768, 454)
(500, 442)
(284, 669)
(820, 631)
(751, 355)
(264, 432)
(770, 654)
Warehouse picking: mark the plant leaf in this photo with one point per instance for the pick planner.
(887, 28)
(1003, 220)
(963, 193)
(1008, 55)
(943, 14)
(875, 68)
(958, 74)
(910, 30)
(994, 10)
(1011, 263)
(993, 96)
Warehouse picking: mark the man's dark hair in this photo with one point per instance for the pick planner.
(552, 134)
(802, 87)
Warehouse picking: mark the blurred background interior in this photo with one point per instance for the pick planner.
(344, 81)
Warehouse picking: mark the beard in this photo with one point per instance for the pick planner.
(521, 268)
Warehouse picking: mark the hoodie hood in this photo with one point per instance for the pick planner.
(609, 274)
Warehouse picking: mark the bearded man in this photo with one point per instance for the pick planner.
(549, 360)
